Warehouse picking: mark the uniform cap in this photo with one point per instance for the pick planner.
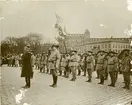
(74, 51)
(90, 52)
(100, 51)
(112, 52)
(120, 56)
(55, 45)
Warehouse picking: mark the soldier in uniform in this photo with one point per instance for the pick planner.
(54, 60)
(105, 65)
(84, 63)
(33, 58)
(112, 68)
(67, 68)
(48, 63)
(117, 65)
(42, 60)
(126, 67)
(63, 65)
(73, 64)
(100, 66)
(90, 65)
(79, 64)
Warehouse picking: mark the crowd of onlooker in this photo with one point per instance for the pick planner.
(12, 60)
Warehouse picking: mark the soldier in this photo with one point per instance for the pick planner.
(54, 60)
(117, 65)
(27, 66)
(33, 58)
(100, 66)
(63, 65)
(96, 58)
(84, 63)
(112, 68)
(73, 64)
(105, 65)
(37, 61)
(126, 67)
(48, 63)
(90, 65)
(67, 68)
(79, 64)
(42, 59)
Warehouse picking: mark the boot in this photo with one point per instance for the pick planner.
(89, 80)
(128, 85)
(102, 80)
(79, 72)
(60, 73)
(40, 70)
(53, 81)
(47, 71)
(64, 74)
(55, 84)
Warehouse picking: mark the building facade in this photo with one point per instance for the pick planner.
(83, 43)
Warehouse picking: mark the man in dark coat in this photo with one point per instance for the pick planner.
(27, 66)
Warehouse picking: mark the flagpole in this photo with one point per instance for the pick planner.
(65, 46)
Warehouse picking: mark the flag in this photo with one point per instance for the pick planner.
(59, 19)
(60, 26)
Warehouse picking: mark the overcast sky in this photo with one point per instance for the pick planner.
(103, 18)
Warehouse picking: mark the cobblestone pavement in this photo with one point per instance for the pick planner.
(67, 92)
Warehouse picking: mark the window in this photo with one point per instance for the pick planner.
(113, 45)
(105, 45)
(102, 46)
(118, 46)
(109, 45)
(98, 46)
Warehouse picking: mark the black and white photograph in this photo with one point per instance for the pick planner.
(65, 52)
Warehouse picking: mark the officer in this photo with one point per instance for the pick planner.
(27, 66)
(90, 65)
(112, 68)
(105, 65)
(54, 60)
(100, 66)
(73, 64)
(126, 67)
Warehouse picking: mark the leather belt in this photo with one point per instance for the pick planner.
(100, 63)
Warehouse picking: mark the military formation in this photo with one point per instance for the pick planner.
(106, 64)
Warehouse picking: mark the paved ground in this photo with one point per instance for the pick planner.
(67, 92)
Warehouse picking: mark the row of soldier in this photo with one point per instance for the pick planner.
(104, 63)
